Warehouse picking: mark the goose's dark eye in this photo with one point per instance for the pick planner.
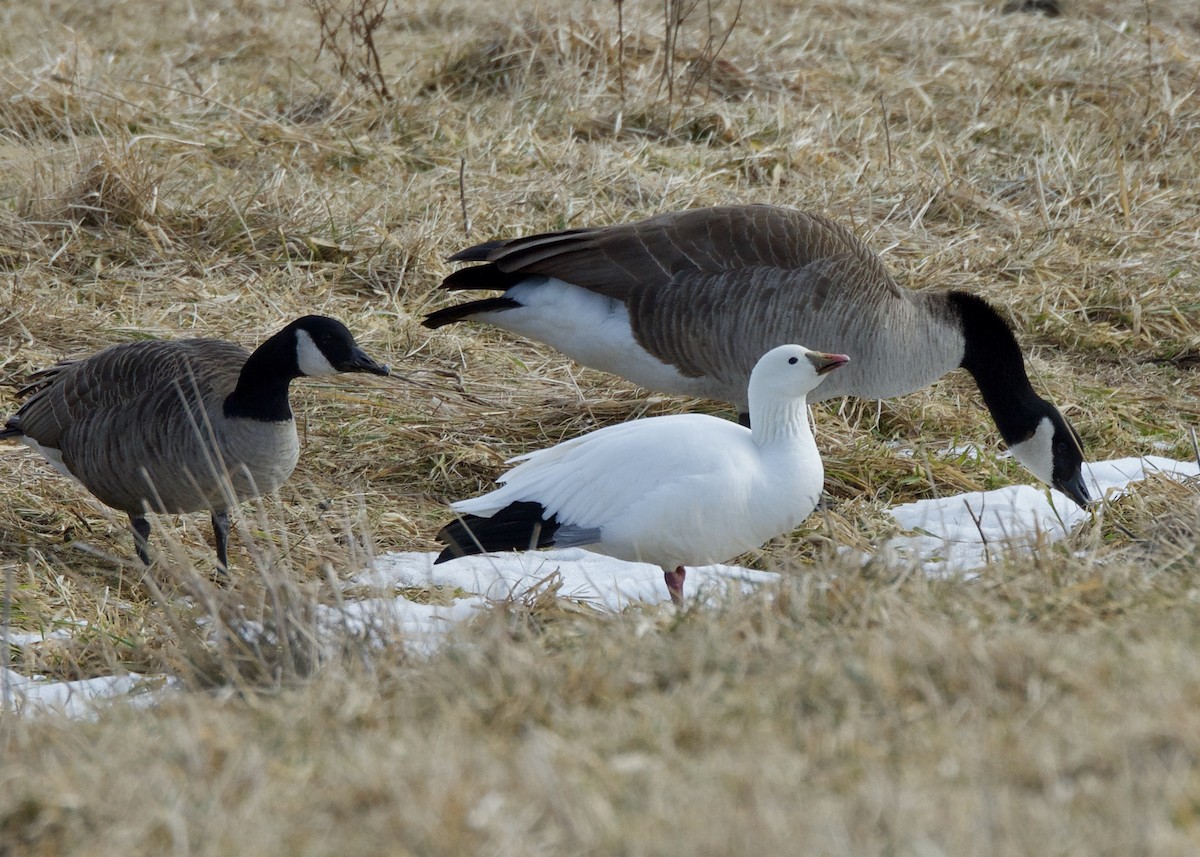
(793, 360)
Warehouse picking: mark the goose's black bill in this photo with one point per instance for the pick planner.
(1076, 489)
(360, 361)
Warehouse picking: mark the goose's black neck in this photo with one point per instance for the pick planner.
(993, 357)
(262, 389)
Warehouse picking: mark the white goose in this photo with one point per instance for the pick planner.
(685, 303)
(674, 491)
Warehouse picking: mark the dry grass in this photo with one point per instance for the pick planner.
(1030, 713)
(194, 172)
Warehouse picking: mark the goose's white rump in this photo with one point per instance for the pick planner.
(673, 491)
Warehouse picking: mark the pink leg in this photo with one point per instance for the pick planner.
(674, 581)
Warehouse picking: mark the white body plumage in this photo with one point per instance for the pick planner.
(679, 490)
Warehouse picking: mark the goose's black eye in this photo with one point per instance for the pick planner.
(793, 360)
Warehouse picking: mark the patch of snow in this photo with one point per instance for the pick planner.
(421, 627)
(22, 639)
(590, 577)
(964, 532)
(76, 699)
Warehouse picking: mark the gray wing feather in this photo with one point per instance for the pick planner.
(118, 413)
(618, 261)
(709, 291)
(719, 325)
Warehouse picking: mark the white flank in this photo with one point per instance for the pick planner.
(51, 454)
(589, 328)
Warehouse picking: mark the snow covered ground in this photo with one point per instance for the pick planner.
(957, 534)
(32, 695)
(946, 535)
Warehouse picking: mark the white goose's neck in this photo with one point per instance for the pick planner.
(779, 421)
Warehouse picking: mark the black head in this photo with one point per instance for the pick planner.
(1053, 452)
(1038, 435)
(324, 346)
(1067, 452)
(313, 345)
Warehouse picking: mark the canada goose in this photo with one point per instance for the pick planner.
(687, 489)
(180, 426)
(685, 302)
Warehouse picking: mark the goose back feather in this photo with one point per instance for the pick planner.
(143, 425)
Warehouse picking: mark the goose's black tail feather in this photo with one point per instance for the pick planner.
(478, 252)
(477, 277)
(11, 430)
(480, 277)
(460, 312)
(519, 526)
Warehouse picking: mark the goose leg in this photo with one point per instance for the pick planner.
(141, 537)
(674, 581)
(220, 525)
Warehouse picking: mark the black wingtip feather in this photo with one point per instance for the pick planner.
(517, 527)
(480, 277)
(478, 252)
(462, 312)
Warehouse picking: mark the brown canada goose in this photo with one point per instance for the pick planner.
(181, 426)
(686, 302)
(687, 489)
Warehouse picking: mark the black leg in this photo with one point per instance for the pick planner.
(141, 537)
(220, 524)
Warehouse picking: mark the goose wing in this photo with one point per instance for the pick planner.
(137, 380)
(622, 260)
(128, 415)
(719, 325)
(709, 291)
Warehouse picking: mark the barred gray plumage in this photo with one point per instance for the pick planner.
(180, 426)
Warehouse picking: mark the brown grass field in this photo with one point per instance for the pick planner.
(179, 168)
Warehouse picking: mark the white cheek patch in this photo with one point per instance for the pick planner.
(1036, 452)
(309, 358)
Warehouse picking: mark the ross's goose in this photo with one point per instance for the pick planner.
(674, 491)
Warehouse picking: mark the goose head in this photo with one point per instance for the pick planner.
(324, 346)
(1054, 454)
(791, 372)
(314, 345)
